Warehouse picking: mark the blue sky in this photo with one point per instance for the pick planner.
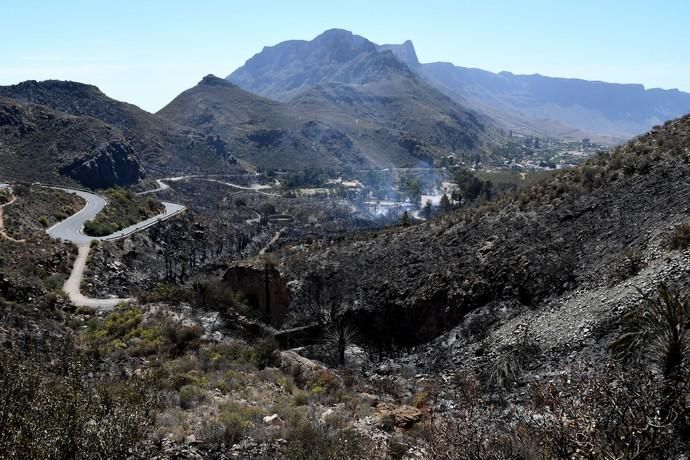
(146, 52)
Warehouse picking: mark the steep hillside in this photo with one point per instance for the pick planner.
(346, 81)
(37, 143)
(561, 247)
(378, 89)
(563, 107)
(262, 131)
(162, 146)
(332, 125)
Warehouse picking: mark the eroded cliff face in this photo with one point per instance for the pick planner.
(264, 288)
(114, 163)
(40, 144)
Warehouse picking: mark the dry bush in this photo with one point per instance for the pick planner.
(53, 408)
(508, 366)
(614, 415)
(589, 413)
(474, 432)
(680, 238)
(309, 442)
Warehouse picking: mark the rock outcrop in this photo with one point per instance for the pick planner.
(264, 288)
(39, 144)
(114, 163)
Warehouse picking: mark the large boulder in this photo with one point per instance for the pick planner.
(402, 416)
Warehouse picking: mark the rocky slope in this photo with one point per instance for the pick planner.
(564, 242)
(286, 70)
(37, 143)
(263, 132)
(162, 146)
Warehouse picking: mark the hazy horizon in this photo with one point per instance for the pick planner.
(146, 54)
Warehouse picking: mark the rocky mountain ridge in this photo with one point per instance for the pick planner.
(330, 126)
(562, 107)
(37, 143)
(162, 146)
(261, 131)
(565, 108)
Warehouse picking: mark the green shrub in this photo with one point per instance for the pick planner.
(266, 353)
(237, 419)
(190, 396)
(307, 442)
(192, 377)
(124, 208)
(182, 338)
(300, 398)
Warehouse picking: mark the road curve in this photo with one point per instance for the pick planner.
(162, 185)
(71, 229)
(72, 286)
(3, 233)
(256, 189)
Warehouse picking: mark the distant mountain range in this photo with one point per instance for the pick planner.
(336, 101)
(530, 104)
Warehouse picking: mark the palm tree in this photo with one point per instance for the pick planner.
(657, 331)
(339, 336)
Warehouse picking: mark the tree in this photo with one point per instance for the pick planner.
(487, 188)
(445, 204)
(427, 209)
(470, 186)
(339, 335)
(457, 196)
(412, 187)
(326, 306)
(405, 220)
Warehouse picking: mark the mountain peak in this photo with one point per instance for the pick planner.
(405, 52)
(51, 86)
(334, 33)
(342, 41)
(212, 80)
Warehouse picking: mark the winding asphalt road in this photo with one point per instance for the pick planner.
(72, 230)
(161, 186)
